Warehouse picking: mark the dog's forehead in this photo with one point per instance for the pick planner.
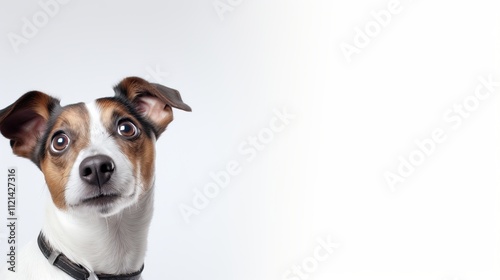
(71, 112)
(80, 119)
(82, 111)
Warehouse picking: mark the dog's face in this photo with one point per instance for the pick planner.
(97, 157)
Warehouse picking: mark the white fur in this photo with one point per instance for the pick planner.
(113, 242)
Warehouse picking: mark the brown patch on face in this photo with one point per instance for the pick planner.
(74, 122)
(139, 150)
(148, 164)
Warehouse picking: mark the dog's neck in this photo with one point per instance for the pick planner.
(111, 245)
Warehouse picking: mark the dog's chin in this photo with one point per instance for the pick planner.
(104, 205)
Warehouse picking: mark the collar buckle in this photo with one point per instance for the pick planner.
(53, 256)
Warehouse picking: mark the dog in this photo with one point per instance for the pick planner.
(98, 160)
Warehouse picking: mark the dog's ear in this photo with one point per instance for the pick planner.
(152, 101)
(25, 120)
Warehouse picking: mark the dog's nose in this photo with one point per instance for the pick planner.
(97, 170)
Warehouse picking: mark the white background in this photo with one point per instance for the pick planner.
(323, 176)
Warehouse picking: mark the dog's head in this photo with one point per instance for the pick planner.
(97, 157)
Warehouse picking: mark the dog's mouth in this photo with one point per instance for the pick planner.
(100, 200)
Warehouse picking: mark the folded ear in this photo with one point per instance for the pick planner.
(152, 101)
(25, 120)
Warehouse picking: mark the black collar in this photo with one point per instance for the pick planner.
(77, 271)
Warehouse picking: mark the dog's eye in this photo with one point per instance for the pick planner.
(127, 129)
(60, 142)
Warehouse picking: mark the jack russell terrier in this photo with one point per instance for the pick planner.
(98, 160)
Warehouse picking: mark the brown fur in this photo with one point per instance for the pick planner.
(74, 120)
(140, 151)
